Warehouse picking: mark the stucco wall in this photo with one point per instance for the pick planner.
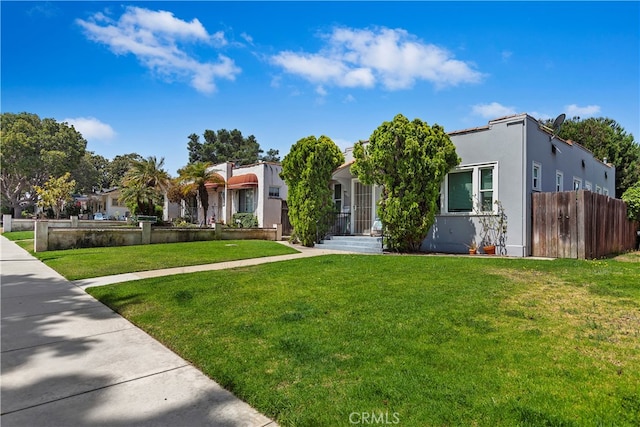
(52, 238)
(71, 238)
(501, 144)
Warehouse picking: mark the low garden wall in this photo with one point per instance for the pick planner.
(12, 224)
(48, 236)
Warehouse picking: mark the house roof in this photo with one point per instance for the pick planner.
(345, 165)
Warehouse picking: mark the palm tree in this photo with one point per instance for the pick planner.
(194, 176)
(144, 183)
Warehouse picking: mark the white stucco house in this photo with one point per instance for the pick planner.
(508, 159)
(256, 189)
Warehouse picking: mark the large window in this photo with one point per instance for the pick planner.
(460, 191)
(245, 202)
(468, 183)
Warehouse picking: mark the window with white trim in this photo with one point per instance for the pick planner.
(485, 195)
(463, 184)
(605, 191)
(559, 181)
(598, 189)
(587, 185)
(577, 183)
(536, 176)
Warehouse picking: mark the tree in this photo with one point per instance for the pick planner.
(32, 150)
(118, 167)
(410, 160)
(307, 171)
(632, 198)
(144, 185)
(193, 178)
(56, 193)
(91, 173)
(605, 138)
(224, 146)
(271, 156)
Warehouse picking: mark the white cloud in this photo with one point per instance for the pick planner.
(349, 99)
(506, 55)
(573, 110)
(493, 110)
(321, 91)
(390, 57)
(154, 38)
(92, 128)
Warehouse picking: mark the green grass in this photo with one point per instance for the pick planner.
(427, 341)
(95, 262)
(19, 235)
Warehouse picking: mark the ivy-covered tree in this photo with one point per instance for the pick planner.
(607, 139)
(307, 171)
(56, 193)
(409, 159)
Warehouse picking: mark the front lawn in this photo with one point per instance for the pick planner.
(19, 235)
(425, 341)
(95, 262)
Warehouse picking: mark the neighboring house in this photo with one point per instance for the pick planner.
(108, 203)
(506, 160)
(256, 189)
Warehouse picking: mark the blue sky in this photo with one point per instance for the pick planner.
(142, 76)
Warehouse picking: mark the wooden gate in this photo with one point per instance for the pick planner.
(287, 228)
(580, 224)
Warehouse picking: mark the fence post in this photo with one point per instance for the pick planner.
(74, 221)
(6, 222)
(41, 239)
(278, 228)
(146, 232)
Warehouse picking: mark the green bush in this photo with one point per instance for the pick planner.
(244, 220)
(632, 198)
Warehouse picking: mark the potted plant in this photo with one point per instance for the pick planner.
(473, 247)
(493, 229)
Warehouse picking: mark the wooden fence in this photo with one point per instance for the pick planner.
(580, 224)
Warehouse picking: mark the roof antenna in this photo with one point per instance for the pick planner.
(557, 124)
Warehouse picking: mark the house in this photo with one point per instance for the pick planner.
(256, 189)
(107, 202)
(507, 160)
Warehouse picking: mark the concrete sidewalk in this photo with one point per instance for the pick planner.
(304, 252)
(67, 360)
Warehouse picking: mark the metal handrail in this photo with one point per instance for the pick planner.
(334, 224)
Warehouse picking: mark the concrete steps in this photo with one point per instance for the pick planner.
(361, 244)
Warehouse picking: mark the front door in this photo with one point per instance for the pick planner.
(362, 208)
